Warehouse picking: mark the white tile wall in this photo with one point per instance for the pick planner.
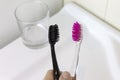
(113, 13)
(109, 10)
(66, 1)
(97, 7)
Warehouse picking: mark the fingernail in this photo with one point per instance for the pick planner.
(65, 76)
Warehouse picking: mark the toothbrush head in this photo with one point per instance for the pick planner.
(76, 32)
(53, 34)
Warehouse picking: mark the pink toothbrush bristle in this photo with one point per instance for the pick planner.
(76, 32)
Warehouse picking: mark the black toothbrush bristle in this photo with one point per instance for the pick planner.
(53, 34)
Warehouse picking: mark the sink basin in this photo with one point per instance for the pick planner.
(99, 53)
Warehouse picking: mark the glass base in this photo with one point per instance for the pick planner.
(38, 46)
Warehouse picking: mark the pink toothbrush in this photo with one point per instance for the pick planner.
(77, 37)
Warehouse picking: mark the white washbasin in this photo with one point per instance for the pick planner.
(99, 56)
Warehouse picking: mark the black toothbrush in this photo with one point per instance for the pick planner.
(53, 38)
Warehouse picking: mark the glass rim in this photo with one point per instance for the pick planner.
(34, 2)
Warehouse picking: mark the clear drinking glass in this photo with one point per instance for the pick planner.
(32, 18)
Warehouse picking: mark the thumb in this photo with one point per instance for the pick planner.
(49, 75)
(65, 76)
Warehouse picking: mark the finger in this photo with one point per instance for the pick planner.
(65, 76)
(49, 75)
(73, 78)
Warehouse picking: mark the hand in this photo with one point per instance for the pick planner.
(64, 76)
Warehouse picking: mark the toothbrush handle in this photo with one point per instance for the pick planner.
(56, 71)
(76, 59)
